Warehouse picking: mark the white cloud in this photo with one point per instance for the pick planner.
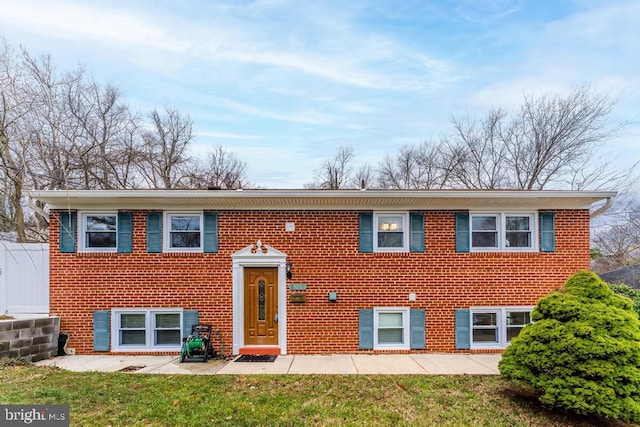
(487, 11)
(354, 58)
(611, 23)
(590, 47)
(308, 117)
(228, 135)
(73, 21)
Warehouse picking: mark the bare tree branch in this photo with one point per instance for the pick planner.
(166, 161)
(224, 170)
(336, 172)
(618, 244)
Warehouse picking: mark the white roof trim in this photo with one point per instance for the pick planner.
(321, 199)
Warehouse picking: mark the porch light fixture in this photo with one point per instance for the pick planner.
(289, 273)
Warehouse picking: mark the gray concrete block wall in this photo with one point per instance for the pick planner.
(29, 339)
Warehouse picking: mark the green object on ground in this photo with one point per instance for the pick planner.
(195, 344)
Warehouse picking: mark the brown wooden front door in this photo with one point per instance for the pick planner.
(261, 306)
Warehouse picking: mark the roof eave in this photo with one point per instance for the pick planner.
(321, 199)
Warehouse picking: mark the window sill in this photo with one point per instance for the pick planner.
(186, 254)
(391, 254)
(515, 254)
(488, 347)
(110, 254)
(145, 349)
(390, 348)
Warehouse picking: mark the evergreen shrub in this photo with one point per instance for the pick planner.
(582, 352)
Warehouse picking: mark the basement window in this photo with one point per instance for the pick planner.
(391, 328)
(147, 329)
(496, 327)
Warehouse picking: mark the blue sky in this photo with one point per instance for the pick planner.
(284, 83)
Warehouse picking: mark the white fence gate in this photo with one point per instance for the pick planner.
(24, 278)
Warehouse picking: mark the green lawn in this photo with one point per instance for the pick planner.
(138, 399)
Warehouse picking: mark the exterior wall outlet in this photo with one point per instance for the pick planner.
(290, 226)
(412, 296)
(70, 351)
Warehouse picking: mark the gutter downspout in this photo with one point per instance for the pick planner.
(602, 209)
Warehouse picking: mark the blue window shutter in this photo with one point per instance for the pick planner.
(463, 329)
(462, 232)
(416, 220)
(365, 229)
(210, 237)
(189, 318)
(125, 232)
(418, 332)
(101, 330)
(67, 232)
(154, 232)
(547, 232)
(365, 329)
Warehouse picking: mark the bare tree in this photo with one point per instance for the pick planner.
(45, 138)
(14, 106)
(224, 169)
(551, 142)
(617, 243)
(49, 132)
(335, 172)
(363, 177)
(166, 162)
(420, 167)
(478, 153)
(108, 145)
(396, 172)
(552, 137)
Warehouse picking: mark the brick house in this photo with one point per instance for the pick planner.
(310, 271)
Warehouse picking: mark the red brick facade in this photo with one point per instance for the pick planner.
(324, 252)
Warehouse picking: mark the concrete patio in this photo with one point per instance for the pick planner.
(343, 364)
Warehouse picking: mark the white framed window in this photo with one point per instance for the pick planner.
(495, 327)
(391, 232)
(166, 328)
(516, 320)
(391, 328)
(484, 231)
(183, 232)
(503, 232)
(132, 329)
(98, 232)
(519, 231)
(146, 329)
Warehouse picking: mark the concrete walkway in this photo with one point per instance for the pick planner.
(346, 364)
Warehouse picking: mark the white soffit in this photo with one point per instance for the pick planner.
(321, 199)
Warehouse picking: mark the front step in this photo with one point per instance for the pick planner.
(260, 350)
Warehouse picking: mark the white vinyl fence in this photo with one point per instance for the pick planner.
(24, 278)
